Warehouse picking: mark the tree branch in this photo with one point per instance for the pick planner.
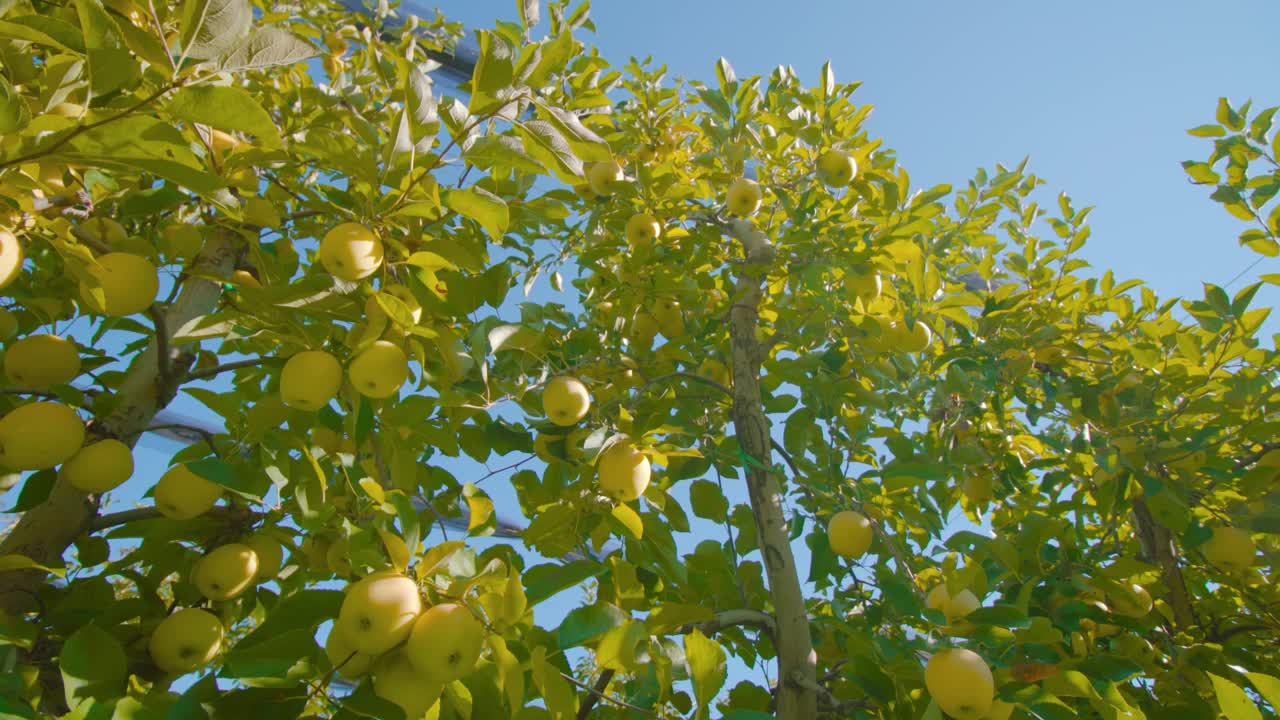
(212, 372)
(608, 698)
(692, 376)
(124, 517)
(734, 618)
(596, 693)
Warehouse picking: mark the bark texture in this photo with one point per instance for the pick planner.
(797, 663)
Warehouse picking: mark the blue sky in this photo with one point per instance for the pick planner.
(1099, 94)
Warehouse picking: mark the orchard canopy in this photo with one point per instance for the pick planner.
(789, 435)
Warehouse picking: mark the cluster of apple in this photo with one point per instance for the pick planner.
(190, 638)
(623, 470)
(383, 630)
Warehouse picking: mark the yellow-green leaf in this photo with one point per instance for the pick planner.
(670, 616)
(630, 520)
(617, 647)
(706, 668)
(1267, 686)
(1235, 704)
(22, 562)
(557, 693)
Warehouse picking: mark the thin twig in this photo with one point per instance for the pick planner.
(692, 376)
(208, 373)
(608, 698)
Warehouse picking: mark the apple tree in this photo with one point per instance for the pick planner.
(773, 406)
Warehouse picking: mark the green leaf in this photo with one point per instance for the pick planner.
(111, 65)
(147, 144)
(585, 624)
(584, 143)
(1259, 242)
(1235, 704)
(617, 648)
(267, 48)
(272, 657)
(226, 108)
(93, 665)
(543, 581)
(1206, 131)
(13, 561)
(669, 616)
(35, 490)
(1001, 615)
(707, 668)
(211, 28)
(484, 207)
(557, 693)
(44, 30)
(13, 109)
(494, 71)
(1201, 172)
(545, 144)
(708, 501)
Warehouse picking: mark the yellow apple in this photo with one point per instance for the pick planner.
(351, 252)
(8, 325)
(565, 400)
(226, 572)
(261, 212)
(106, 231)
(849, 533)
(962, 603)
(643, 228)
(864, 285)
(37, 362)
(270, 555)
(1000, 710)
(11, 257)
(836, 168)
(603, 176)
(99, 467)
(1230, 549)
(335, 43)
(181, 494)
(378, 612)
(669, 318)
(1132, 601)
(39, 435)
(243, 278)
(186, 641)
(129, 284)
(445, 643)
(939, 598)
(346, 660)
(743, 198)
(310, 379)
(960, 682)
(396, 680)
(623, 471)
(644, 328)
(979, 488)
(379, 370)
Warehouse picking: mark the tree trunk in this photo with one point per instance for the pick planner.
(46, 531)
(797, 662)
(1158, 547)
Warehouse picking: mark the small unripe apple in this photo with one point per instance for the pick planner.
(603, 176)
(39, 435)
(623, 471)
(182, 495)
(99, 467)
(849, 534)
(379, 370)
(961, 683)
(186, 641)
(226, 572)
(836, 168)
(565, 400)
(11, 257)
(310, 379)
(744, 197)
(642, 229)
(351, 252)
